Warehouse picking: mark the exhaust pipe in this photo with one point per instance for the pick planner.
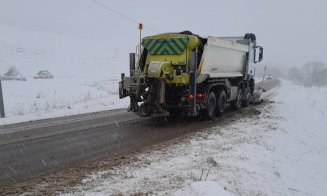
(131, 63)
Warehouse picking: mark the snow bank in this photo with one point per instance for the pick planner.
(300, 150)
(40, 99)
(282, 151)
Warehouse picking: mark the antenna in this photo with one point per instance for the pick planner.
(140, 28)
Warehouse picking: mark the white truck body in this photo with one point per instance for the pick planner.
(223, 58)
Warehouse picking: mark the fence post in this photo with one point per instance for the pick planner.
(2, 108)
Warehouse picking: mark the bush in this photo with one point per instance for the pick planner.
(13, 74)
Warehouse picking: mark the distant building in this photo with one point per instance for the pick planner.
(43, 74)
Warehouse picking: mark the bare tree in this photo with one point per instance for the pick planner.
(275, 71)
(321, 77)
(295, 74)
(313, 73)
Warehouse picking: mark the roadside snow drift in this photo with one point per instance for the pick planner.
(279, 148)
(39, 99)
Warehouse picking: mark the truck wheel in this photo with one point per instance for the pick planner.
(246, 100)
(221, 103)
(211, 103)
(237, 104)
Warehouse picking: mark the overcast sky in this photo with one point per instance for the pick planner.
(291, 31)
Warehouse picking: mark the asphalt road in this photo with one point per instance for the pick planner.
(42, 147)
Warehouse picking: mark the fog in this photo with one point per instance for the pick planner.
(292, 32)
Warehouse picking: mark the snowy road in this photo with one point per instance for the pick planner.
(42, 147)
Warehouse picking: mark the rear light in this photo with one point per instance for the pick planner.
(198, 95)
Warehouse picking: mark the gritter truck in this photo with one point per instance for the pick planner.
(185, 74)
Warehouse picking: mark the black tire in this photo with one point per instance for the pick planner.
(237, 104)
(247, 97)
(221, 103)
(211, 103)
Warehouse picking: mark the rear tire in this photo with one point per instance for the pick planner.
(237, 104)
(246, 101)
(211, 103)
(221, 103)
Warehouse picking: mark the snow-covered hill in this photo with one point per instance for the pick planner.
(30, 51)
(74, 38)
(80, 43)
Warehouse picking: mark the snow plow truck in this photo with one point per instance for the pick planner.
(185, 74)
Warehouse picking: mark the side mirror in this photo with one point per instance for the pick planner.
(261, 53)
(258, 54)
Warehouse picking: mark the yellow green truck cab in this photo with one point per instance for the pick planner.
(169, 56)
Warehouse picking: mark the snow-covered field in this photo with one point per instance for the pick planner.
(281, 151)
(78, 49)
(39, 99)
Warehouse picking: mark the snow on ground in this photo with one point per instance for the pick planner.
(282, 151)
(204, 188)
(39, 99)
(82, 62)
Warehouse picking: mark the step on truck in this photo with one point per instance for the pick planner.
(185, 74)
